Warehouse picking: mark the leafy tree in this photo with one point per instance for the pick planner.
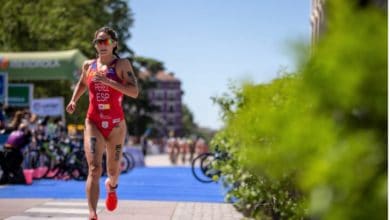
(313, 144)
(138, 111)
(150, 64)
(44, 25)
(189, 125)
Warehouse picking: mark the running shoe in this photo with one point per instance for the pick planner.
(111, 199)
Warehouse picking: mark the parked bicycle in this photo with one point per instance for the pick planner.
(126, 165)
(57, 159)
(65, 159)
(202, 166)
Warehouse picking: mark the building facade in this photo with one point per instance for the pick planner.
(318, 15)
(166, 97)
(317, 19)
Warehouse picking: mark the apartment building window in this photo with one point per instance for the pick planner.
(171, 109)
(170, 121)
(158, 108)
(171, 95)
(159, 94)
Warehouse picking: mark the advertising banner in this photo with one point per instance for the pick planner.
(48, 106)
(20, 95)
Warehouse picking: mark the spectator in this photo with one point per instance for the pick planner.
(16, 121)
(2, 117)
(144, 141)
(201, 146)
(144, 144)
(12, 157)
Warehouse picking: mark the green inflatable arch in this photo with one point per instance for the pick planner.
(56, 65)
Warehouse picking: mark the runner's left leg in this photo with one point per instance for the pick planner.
(114, 148)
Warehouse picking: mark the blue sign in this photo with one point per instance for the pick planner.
(4, 88)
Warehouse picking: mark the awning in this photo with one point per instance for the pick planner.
(54, 65)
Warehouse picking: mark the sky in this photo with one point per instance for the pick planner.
(209, 44)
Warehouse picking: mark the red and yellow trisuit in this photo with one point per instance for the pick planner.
(105, 103)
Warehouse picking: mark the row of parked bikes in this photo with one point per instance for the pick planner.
(65, 159)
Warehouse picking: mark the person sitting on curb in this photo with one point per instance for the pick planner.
(12, 157)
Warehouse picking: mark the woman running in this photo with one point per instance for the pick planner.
(107, 78)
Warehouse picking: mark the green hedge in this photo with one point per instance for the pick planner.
(313, 144)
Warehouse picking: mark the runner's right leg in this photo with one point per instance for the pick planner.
(94, 145)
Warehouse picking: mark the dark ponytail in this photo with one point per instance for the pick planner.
(113, 36)
(114, 52)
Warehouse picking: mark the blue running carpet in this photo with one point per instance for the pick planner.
(157, 183)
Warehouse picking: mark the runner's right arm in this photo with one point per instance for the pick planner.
(80, 88)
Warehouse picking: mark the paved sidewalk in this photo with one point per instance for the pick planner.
(41, 209)
(161, 160)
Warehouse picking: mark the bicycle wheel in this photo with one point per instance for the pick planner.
(125, 163)
(131, 161)
(31, 159)
(1, 158)
(42, 165)
(198, 170)
(53, 172)
(57, 157)
(104, 165)
(207, 167)
(77, 165)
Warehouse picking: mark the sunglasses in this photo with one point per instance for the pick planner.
(105, 42)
